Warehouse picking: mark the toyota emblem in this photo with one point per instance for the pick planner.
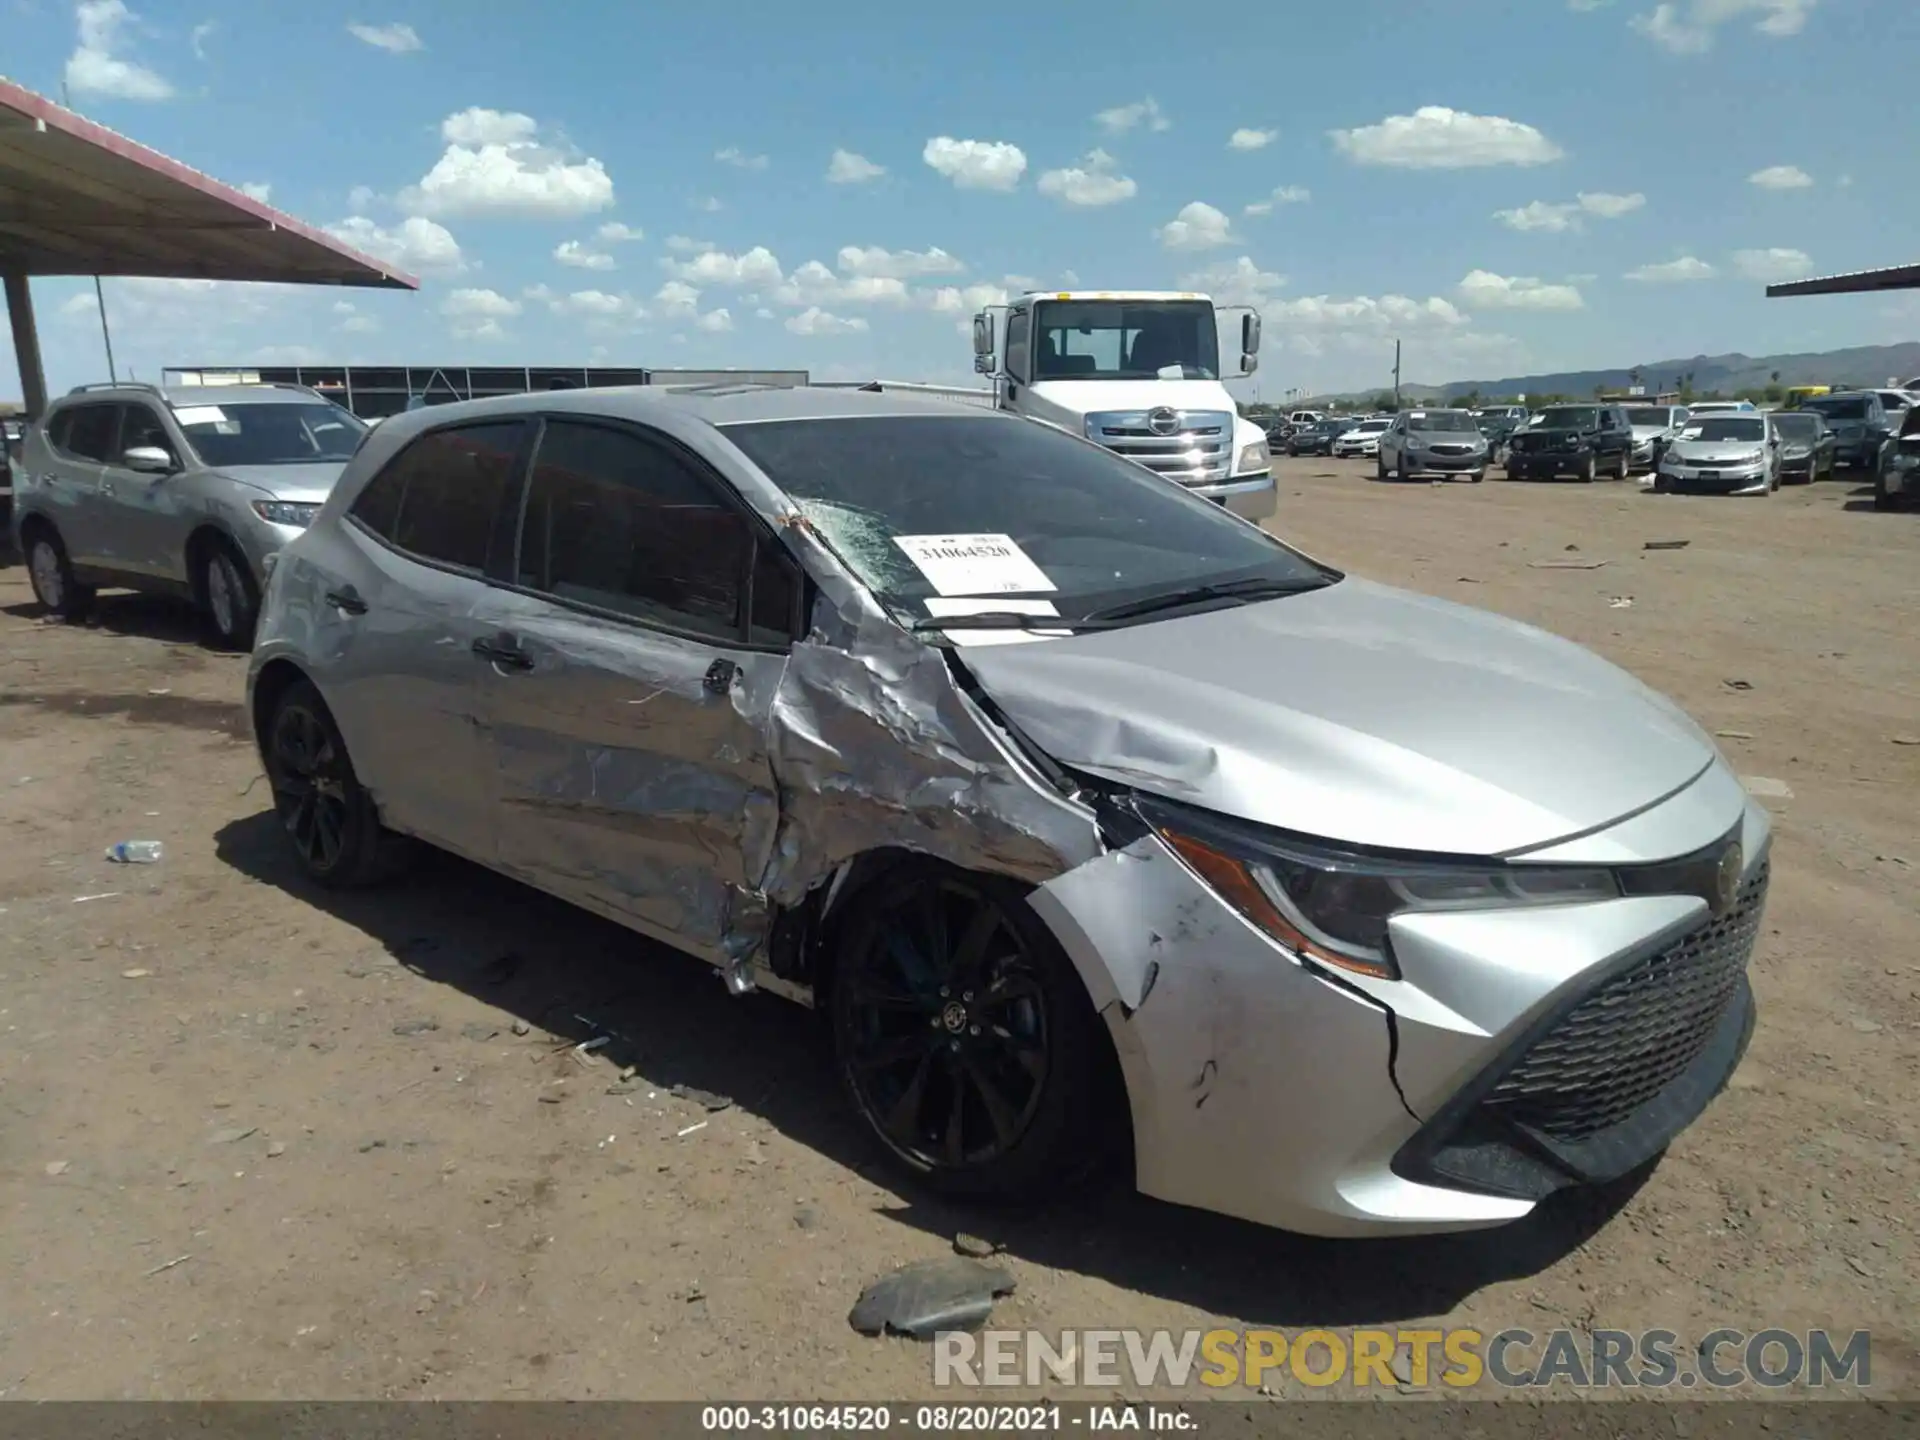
(1726, 878)
(1163, 421)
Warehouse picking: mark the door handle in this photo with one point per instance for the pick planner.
(106, 487)
(347, 599)
(720, 676)
(503, 650)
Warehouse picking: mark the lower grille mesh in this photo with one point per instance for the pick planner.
(1627, 1041)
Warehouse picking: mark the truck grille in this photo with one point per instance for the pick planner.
(1191, 446)
(1631, 1038)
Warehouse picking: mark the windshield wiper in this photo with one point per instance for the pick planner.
(1255, 589)
(1002, 620)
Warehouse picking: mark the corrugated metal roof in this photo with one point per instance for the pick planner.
(79, 199)
(1894, 277)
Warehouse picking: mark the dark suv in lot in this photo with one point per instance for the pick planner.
(1585, 441)
(1860, 425)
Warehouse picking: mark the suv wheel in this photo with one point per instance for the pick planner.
(1625, 472)
(232, 599)
(1589, 469)
(1883, 499)
(965, 1039)
(51, 575)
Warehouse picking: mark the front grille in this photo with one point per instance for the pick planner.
(1450, 449)
(1633, 1037)
(1198, 449)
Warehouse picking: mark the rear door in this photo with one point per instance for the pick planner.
(640, 636)
(79, 440)
(398, 635)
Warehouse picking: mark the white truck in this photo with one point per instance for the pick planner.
(1138, 371)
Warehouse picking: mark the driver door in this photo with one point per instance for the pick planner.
(149, 513)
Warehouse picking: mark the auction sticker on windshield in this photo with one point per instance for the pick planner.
(974, 564)
(200, 415)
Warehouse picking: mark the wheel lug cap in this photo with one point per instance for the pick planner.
(974, 1031)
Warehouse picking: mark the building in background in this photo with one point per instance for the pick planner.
(374, 392)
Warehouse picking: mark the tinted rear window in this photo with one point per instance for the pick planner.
(1852, 407)
(439, 498)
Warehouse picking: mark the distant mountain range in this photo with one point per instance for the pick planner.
(1865, 365)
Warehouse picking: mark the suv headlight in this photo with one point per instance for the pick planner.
(285, 512)
(1331, 905)
(1257, 456)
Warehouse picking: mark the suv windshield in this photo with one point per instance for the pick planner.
(296, 432)
(1367, 427)
(1643, 415)
(924, 509)
(1725, 427)
(1125, 340)
(1568, 417)
(1846, 407)
(1446, 422)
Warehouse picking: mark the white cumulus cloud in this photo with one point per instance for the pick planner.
(1781, 177)
(716, 321)
(901, 264)
(963, 299)
(1436, 138)
(1689, 27)
(1284, 195)
(394, 39)
(1198, 226)
(1122, 118)
(1687, 267)
(1567, 215)
(579, 257)
(1234, 282)
(733, 155)
(1773, 265)
(815, 321)
(1246, 139)
(754, 268)
(417, 244)
(976, 164)
(98, 67)
(476, 314)
(1093, 181)
(256, 190)
(495, 164)
(847, 168)
(616, 232)
(677, 295)
(814, 284)
(1484, 290)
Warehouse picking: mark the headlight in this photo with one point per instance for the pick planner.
(1332, 905)
(1086, 427)
(285, 512)
(1256, 456)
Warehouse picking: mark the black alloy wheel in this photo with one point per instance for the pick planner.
(965, 1038)
(330, 818)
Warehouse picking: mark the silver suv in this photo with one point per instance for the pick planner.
(184, 491)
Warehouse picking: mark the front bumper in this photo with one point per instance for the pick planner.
(1252, 497)
(1901, 478)
(1550, 462)
(1360, 448)
(1471, 464)
(1749, 480)
(1343, 1106)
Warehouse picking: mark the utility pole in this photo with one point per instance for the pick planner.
(1396, 377)
(99, 293)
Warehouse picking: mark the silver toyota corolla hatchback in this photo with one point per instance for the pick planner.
(1092, 816)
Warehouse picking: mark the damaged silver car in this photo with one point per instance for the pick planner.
(1094, 818)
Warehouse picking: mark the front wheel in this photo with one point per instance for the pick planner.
(1882, 498)
(1625, 472)
(1379, 468)
(965, 1039)
(327, 813)
(1589, 471)
(231, 597)
(1477, 476)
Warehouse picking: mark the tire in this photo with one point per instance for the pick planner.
(1661, 485)
(1400, 471)
(331, 821)
(228, 594)
(1477, 476)
(1882, 499)
(1379, 467)
(1006, 1099)
(50, 573)
(1625, 472)
(1589, 470)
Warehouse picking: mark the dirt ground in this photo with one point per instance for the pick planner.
(260, 1141)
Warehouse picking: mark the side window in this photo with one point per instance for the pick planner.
(60, 428)
(452, 485)
(624, 524)
(378, 506)
(93, 431)
(775, 593)
(1019, 331)
(140, 426)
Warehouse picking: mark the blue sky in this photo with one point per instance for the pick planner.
(1507, 188)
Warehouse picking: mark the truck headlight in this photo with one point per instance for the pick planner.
(1329, 904)
(1257, 456)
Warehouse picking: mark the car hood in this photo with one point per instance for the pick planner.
(300, 484)
(1357, 713)
(1649, 432)
(1550, 436)
(1740, 451)
(1446, 437)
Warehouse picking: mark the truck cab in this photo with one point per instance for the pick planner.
(1141, 373)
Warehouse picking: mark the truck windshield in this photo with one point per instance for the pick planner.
(1125, 340)
(942, 515)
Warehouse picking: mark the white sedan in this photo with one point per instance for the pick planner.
(1362, 439)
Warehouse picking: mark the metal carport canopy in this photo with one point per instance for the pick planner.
(1894, 277)
(78, 199)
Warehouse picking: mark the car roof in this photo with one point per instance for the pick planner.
(717, 405)
(188, 395)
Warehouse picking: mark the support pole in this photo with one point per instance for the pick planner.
(26, 346)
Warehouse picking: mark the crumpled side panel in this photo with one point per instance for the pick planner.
(874, 745)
